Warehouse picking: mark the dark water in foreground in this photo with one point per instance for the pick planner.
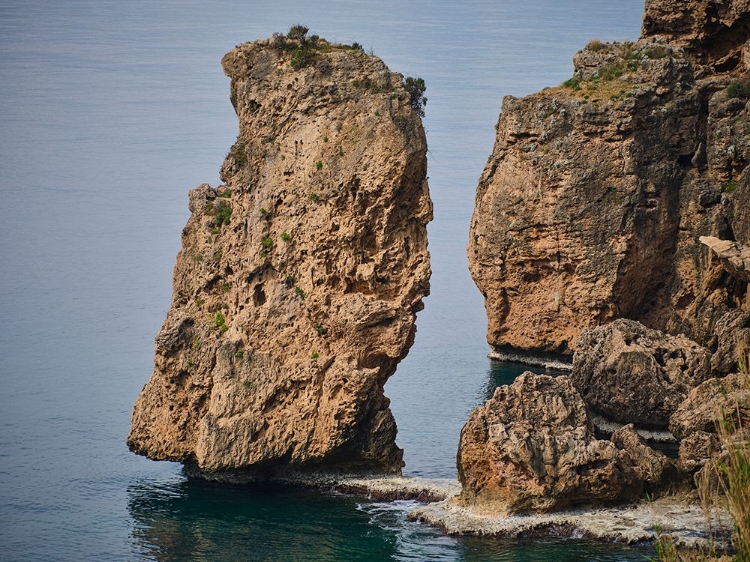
(109, 112)
(200, 521)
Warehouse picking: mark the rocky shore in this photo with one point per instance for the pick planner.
(680, 516)
(611, 229)
(682, 519)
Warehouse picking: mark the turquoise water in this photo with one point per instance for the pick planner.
(200, 521)
(110, 112)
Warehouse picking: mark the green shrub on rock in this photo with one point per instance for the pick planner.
(416, 87)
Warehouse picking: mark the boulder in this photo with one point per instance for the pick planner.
(705, 405)
(531, 448)
(726, 466)
(652, 468)
(697, 449)
(631, 374)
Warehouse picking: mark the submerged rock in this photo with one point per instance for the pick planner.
(592, 202)
(298, 282)
(531, 448)
(632, 374)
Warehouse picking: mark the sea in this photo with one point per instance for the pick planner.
(110, 111)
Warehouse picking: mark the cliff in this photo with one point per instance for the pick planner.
(297, 285)
(593, 201)
(611, 224)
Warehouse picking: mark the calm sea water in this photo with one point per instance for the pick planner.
(109, 112)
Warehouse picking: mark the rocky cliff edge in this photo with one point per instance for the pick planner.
(591, 206)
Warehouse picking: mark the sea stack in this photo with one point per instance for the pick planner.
(297, 286)
(597, 192)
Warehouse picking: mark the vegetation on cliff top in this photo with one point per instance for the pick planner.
(306, 51)
(616, 79)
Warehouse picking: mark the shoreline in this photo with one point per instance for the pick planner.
(378, 487)
(382, 488)
(677, 516)
(556, 363)
(685, 522)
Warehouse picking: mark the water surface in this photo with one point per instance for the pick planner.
(110, 111)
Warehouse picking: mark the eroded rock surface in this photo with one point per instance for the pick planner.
(706, 404)
(298, 282)
(653, 469)
(531, 448)
(712, 417)
(732, 342)
(733, 258)
(632, 374)
(697, 449)
(715, 33)
(592, 203)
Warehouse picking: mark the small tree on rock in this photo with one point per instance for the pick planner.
(298, 33)
(416, 87)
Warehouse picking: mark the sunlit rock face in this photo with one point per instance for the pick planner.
(299, 279)
(531, 448)
(592, 202)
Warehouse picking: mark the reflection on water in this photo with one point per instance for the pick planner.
(204, 521)
(193, 520)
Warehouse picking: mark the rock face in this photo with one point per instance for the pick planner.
(631, 374)
(732, 335)
(298, 282)
(592, 203)
(707, 403)
(531, 448)
(713, 31)
(733, 258)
